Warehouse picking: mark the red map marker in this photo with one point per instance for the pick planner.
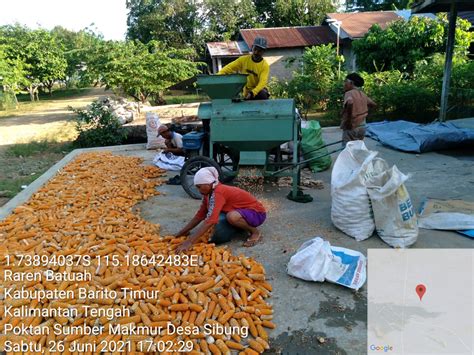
(420, 290)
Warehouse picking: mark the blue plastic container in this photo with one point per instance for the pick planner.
(193, 140)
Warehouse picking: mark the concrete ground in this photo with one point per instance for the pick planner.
(305, 312)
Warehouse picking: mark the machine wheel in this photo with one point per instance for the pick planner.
(190, 169)
(227, 160)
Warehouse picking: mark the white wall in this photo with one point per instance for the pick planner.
(276, 58)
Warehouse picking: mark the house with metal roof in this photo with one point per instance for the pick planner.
(353, 26)
(286, 43)
(283, 43)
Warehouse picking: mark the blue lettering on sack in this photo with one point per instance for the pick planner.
(406, 208)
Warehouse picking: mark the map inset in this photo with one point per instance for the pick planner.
(420, 301)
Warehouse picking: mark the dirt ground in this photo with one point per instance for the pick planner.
(51, 121)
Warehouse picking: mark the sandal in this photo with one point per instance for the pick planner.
(174, 181)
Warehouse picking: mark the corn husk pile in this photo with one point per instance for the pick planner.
(307, 181)
(86, 210)
(251, 180)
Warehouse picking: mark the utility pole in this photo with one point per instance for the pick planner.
(448, 62)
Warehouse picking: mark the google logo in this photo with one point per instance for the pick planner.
(384, 348)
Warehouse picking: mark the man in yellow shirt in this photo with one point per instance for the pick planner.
(256, 68)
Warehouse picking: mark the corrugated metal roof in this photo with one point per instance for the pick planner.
(357, 24)
(288, 37)
(227, 49)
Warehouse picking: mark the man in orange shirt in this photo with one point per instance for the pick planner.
(356, 109)
(241, 210)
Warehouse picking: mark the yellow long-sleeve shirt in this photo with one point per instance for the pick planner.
(258, 73)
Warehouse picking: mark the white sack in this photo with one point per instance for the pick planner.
(351, 211)
(395, 217)
(316, 260)
(168, 161)
(152, 124)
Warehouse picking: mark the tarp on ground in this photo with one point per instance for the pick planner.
(455, 215)
(419, 138)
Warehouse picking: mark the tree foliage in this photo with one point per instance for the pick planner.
(34, 59)
(78, 50)
(184, 22)
(378, 5)
(142, 70)
(12, 72)
(179, 23)
(222, 19)
(37, 53)
(299, 12)
(311, 84)
(173, 22)
(404, 43)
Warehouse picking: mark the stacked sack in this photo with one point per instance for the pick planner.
(368, 195)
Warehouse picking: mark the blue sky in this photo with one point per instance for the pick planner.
(108, 16)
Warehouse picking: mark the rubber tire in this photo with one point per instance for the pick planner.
(190, 164)
(226, 178)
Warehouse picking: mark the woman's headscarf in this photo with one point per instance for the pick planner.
(208, 175)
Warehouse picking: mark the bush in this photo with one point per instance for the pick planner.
(97, 127)
(313, 81)
(413, 95)
(7, 100)
(403, 43)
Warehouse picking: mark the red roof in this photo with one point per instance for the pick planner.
(287, 37)
(357, 24)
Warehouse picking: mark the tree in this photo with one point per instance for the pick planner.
(173, 22)
(48, 63)
(312, 83)
(12, 74)
(264, 9)
(224, 18)
(39, 51)
(377, 5)
(299, 12)
(183, 23)
(403, 43)
(78, 47)
(144, 70)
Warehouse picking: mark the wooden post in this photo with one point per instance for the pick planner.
(448, 61)
(214, 66)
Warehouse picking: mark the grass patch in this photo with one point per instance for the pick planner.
(329, 119)
(36, 147)
(23, 107)
(56, 94)
(26, 106)
(185, 99)
(11, 187)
